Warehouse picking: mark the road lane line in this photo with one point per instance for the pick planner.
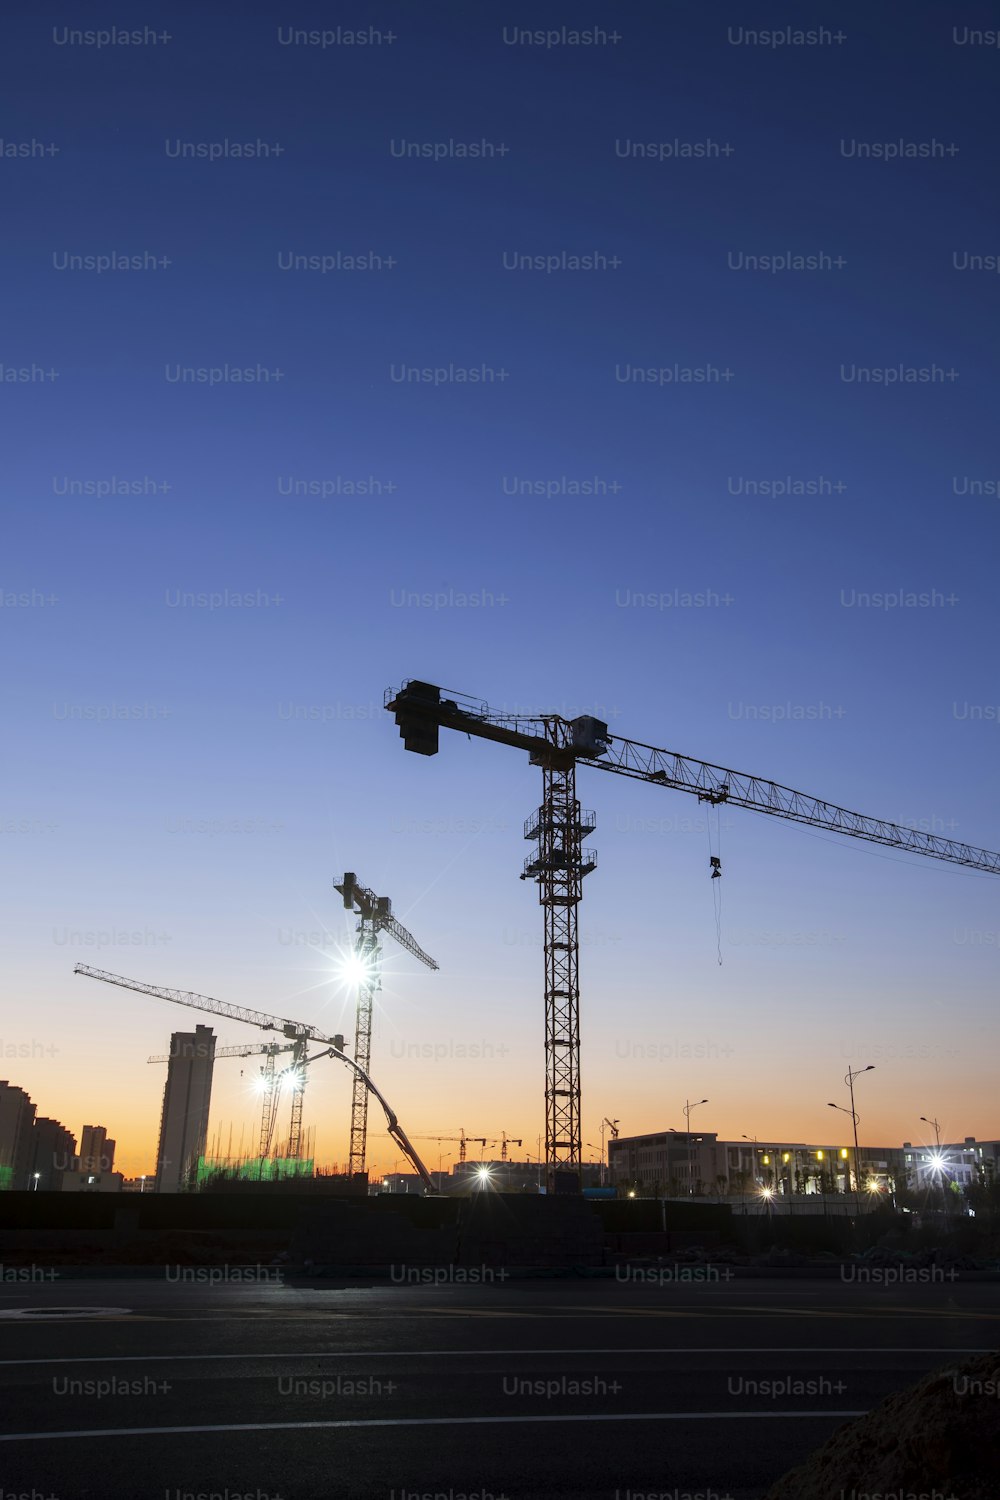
(631, 1416)
(679, 1353)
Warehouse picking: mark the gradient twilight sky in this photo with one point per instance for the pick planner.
(256, 762)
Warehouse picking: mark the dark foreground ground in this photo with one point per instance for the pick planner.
(163, 1388)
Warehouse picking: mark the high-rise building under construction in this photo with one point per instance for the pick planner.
(187, 1095)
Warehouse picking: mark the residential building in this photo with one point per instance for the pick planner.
(97, 1150)
(17, 1114)
(53, 1154)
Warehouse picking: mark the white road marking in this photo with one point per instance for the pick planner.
(62, 1314)
(122, 1359)
(631, 1416)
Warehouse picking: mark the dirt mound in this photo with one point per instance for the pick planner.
(939, 1440)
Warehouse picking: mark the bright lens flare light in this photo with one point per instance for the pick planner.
(354, 970)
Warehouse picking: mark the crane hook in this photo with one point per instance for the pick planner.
(716, 865)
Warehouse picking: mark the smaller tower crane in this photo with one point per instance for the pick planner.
(462, 1141)
(259, 1050)
(269, 1102)
(375, 913)
(508, 1140)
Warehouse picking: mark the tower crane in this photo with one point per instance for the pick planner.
(507, 1140)
(298, 1033)
(462, 1140)
(560, 862)
(269, 1102)
(375, 913)
(266, 1047)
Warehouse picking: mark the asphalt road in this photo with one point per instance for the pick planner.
(526, 1389)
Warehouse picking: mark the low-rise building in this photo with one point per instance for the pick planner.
(950, 1163)
(91, 1182)
(697, 1164)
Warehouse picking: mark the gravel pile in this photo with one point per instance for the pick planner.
(939, 1440)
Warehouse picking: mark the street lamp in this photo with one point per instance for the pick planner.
(753, 1139)
(849, 1078)
(743, 1196)
(604, 1124)
(688, 1107)
(36, 1176)
(142, 1183)
(937, 1161)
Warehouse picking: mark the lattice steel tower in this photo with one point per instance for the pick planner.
(559, 866)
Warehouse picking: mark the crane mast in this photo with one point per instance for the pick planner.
(556, 744)
(559, 866)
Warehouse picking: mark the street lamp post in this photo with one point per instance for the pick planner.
(688, 1107)
(849, 1078)
(938, 1160)
(604, 1125)
(743, 1199)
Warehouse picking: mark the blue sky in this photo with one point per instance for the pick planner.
(256, 763)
